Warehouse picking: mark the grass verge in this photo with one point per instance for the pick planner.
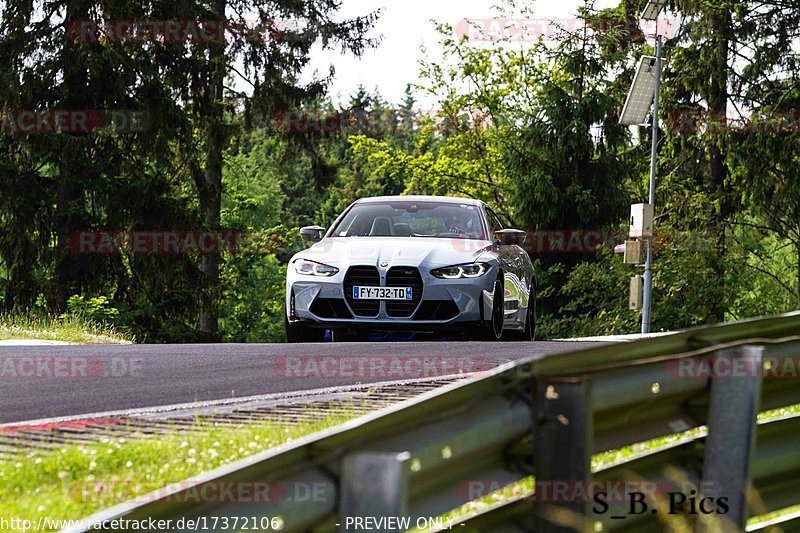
(78, 480)
(71, 328)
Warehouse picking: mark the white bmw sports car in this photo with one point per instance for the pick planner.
(412, 263)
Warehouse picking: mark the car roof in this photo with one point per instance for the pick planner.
(442, 199)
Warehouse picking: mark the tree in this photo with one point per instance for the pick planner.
(533, 132)
(270, 67)
(81, 181)
(55, 184)
(727, 58)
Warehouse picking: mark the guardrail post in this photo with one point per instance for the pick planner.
(374, 485)
(733, 407)
(563, 446)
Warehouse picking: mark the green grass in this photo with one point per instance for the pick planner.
(71, 328)
(77, 480)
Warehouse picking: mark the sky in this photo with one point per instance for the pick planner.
(405, 26)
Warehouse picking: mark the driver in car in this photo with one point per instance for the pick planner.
(458, 225)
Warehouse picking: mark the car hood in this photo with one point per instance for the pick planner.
(404, 251)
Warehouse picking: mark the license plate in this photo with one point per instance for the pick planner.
(381, 293)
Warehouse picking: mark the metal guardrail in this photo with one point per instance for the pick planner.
(545, 418)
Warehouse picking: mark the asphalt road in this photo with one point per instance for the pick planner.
(52, 381)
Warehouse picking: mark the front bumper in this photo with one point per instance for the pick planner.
(445, 304)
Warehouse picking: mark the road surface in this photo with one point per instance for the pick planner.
(52, 381)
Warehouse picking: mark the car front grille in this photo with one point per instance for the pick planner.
(366, 276)
(404, 277)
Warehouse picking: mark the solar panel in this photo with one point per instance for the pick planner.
(641, 94)
(652, 9)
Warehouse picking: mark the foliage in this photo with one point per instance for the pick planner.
(95, 309)
(532, 129)
(66, 328)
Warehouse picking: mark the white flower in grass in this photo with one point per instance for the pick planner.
(192, 451)
(129, 464)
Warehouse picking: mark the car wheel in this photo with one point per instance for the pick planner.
(493, 331)
(529, 333)
(298, 333)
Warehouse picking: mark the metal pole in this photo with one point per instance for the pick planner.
(373, 484)
(732, 412)
(648, 275)
(563, 438)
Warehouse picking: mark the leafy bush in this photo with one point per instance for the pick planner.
(97, 309)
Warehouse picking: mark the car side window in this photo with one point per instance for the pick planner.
(494, 221)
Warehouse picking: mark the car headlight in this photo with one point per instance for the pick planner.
(471, 270)
(312, 268)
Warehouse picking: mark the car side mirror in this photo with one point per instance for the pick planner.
(510, 236)
(312, 233)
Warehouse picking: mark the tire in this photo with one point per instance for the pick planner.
(300, 333)
(493, 331)
(529, 333)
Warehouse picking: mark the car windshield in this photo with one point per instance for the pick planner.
(412, 219)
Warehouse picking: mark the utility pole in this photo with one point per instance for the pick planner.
(648, 273)
(643, 92)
